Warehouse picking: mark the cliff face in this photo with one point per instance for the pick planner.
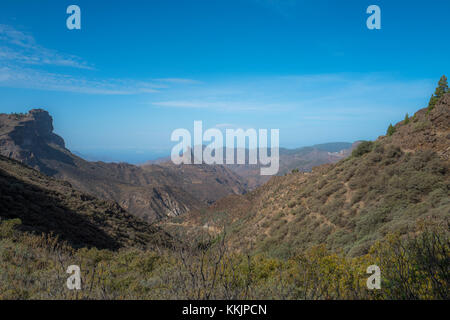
(29, 130)
(29, 138)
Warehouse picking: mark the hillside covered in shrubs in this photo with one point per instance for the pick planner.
(385, 186)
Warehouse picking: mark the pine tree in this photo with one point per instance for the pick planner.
(390, 130)
(406, 121)
(442, 86)
(441, 89)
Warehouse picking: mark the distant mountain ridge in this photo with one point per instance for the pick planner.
(302, 159)
(151, 191)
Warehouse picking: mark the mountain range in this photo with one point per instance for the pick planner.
(152, 191)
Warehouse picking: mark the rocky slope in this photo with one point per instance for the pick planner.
(207, 182)
(385, 186)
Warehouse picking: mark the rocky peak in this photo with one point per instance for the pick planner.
(29, 129)
(42, 121)
(29, 138)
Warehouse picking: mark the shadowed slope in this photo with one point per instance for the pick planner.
(48, 205)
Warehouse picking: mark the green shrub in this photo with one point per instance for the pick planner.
(8, 227)
(363, 148)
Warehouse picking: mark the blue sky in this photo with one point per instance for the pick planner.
(137, 70)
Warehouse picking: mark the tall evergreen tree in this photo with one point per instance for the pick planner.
(442, 86)
(441, 89)
(406, 121)
(390, 130)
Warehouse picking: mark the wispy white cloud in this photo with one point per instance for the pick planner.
(21, 48)
(22, 60)
(341, 96)
(37, 79)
